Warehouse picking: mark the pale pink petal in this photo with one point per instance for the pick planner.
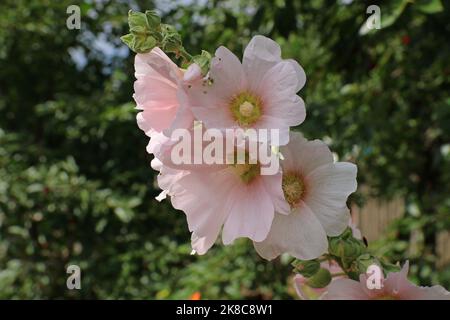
(203, 202)
(398, 285)
(193, 73)
(184, 118)
(328, 189)
(272, 183)
(202, 244)
(289, 108)
(281, 80)
(300, 234)
(251, 214)
(345, 289)
(219, 118)
(428, 293)
(355, 231)
(260, 55)
(153, 92)
(156, 118)
(301, 76)
(156, 61)
(156, 90)
(274, 123)
(143, 124)
(226, 73)
(305, 156)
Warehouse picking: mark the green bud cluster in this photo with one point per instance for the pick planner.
(147, 32)
(306, 268)
(317, 277)
(351, 254)
(320, 279)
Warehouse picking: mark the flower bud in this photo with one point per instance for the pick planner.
(153, 20)
(144, 34)
(364, 261)
(348, 249)
(307, 268)
(320, 280)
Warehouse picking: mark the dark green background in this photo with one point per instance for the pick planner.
(76, 186)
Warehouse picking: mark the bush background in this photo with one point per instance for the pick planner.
(76, 186)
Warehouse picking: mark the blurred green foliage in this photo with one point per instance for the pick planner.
(75, 182)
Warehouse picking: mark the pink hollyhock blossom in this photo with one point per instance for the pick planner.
(159, 93)
(395, 287)
(316, 189)
(235, 199)
(259, 93)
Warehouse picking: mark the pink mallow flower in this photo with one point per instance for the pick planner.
(259, 93)
(316, 189)
(395, 287)
(159, 93)
(234, 199)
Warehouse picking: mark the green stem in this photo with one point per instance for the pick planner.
(339, 274)
(187, 58)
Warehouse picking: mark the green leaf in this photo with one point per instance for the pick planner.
(429, 6)
(137, 20)
(153, 20)
(127, 39)
(388, 15)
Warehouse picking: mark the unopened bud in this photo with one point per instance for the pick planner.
(320, 280)
(307, 268)
(153, 20)
(364, 261)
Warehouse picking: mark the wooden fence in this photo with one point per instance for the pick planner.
(376, 215)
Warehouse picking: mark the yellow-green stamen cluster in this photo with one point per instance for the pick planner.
(293, 188)
(247, 172)
(246, 108)
(244, 169)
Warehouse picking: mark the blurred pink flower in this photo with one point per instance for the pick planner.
(316, 189)
(159, 93)
(259, 93)
(396, 286)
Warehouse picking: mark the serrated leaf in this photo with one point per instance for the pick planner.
(127, 39)
(137, 19)
(153, 19)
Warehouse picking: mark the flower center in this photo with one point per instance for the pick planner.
(246, 171)
(293, 188)
(246, 108)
